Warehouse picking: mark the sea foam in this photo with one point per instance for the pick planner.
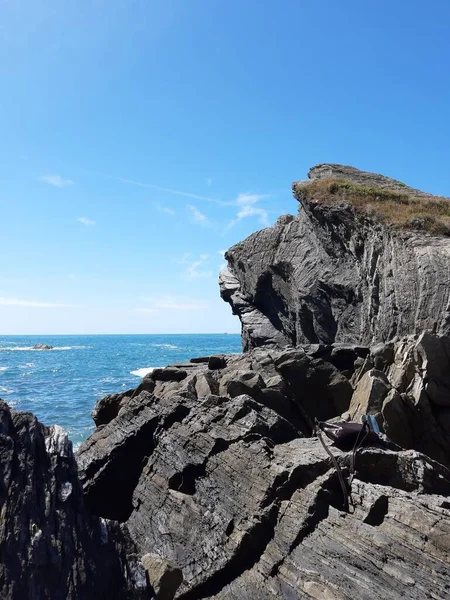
(142, 372)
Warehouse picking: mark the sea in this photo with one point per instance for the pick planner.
(61, 386)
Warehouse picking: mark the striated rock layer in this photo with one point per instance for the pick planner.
(51, 547)
(213, 470)
(334, 274)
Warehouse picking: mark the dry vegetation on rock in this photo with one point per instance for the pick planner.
(401, 210)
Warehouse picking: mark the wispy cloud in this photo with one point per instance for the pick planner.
(247, 208)
(245, 199)
(34, 303)
(254, 211)
(209, 182)
(198, 269)
(151, 186)
(198, 216)
(223, 264)
(57, 180)
(164, 209)
(171, 303)
(86, 221)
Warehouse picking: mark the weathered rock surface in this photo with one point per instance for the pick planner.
(228, 492)
(227, 486)
(331, 274)
(51, 547)
(409, 392)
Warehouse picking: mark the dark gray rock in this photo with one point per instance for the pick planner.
(229, 495)
(40, 346)
(168, 374)
(217, 362)
(51, 547)
(331, 274)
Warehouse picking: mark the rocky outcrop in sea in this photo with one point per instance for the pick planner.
(209, 481)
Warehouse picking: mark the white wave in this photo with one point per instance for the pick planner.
(33, 349)
(4, 368)
(142, 372)
(170, 346)
(5, 390)
(109, 380)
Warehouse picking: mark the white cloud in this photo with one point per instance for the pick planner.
(254, 211)
(164, 209)
(172, 303)
(209, 182)
(57, 180)
(184, 260)
(35, 304)
(244, 199)
(85, 221)
(196, 269)
(198, 216)
(247, 208)
(221, 252)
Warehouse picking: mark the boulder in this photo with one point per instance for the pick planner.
(369, 395)
(40, 346)
(168, 374)
(217, 362)
(164, 577)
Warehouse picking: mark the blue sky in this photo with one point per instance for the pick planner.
(142, 138)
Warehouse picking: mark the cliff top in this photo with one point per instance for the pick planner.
(375, 195)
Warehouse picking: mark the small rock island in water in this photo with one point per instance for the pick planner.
(40, 346)
(211, 480)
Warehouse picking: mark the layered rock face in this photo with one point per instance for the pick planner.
(51, 547)
(212, 467)
(332, 274)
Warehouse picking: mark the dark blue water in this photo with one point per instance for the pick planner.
(62, 385)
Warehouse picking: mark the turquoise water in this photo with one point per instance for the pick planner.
(62, 385)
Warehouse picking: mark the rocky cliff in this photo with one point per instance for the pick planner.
(336, 272)
(209, 481)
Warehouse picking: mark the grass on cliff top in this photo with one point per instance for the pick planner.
(400, 209)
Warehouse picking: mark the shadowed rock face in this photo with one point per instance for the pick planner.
(331, 274)
(51, 547)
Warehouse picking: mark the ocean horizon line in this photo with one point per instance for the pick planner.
(3, 335)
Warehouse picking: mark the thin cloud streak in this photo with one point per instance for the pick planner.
(35, 304)
(171, 303)
(171, 191)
